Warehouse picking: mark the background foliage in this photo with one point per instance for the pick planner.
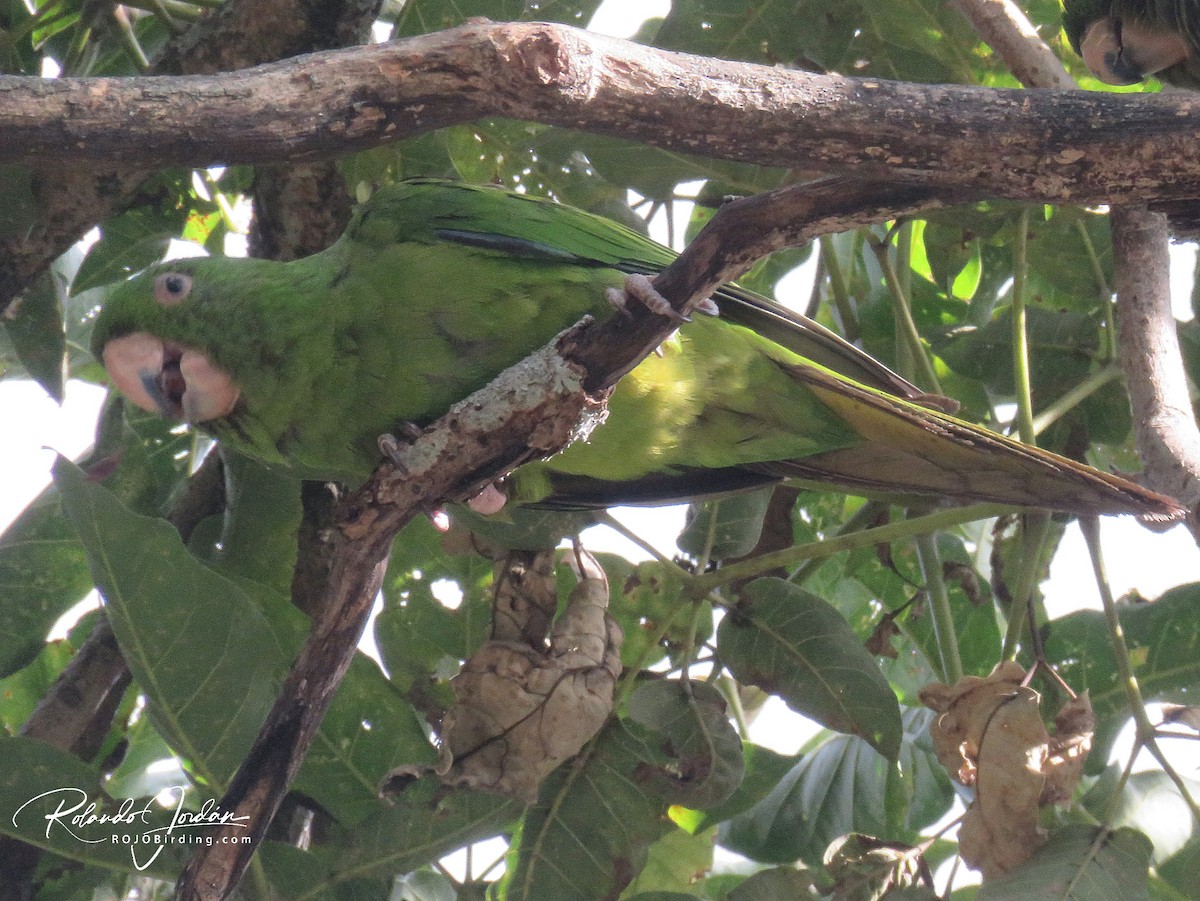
(847, 639)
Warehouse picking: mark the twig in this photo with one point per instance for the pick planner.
(1145, 735)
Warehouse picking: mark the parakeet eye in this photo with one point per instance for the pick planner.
(171, 288)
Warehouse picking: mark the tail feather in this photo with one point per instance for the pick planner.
(912, 449)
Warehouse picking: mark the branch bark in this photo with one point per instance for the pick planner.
(1051, 145)
(1164, 422)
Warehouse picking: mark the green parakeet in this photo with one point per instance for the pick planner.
(1126, 41)
(437, 287)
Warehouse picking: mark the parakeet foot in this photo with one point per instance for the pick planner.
(490, 500)
(640, 288)
(391, 445)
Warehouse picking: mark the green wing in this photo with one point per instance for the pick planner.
(541, 231)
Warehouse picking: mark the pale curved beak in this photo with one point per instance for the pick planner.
(1124, 52)
(169, 379)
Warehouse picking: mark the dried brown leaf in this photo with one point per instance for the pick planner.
(522, 708)
(1067, 751)
(880, 642)
(990, 734)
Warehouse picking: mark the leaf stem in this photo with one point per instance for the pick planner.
(1020, 334)
(1034, 529)
(939, 606)
(1092, 383)
(839, 289)
(1110, 324)
(895, 531)
(903, 312)
(1145, 734)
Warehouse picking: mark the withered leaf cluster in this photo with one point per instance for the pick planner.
(990, 735)
(534, 694)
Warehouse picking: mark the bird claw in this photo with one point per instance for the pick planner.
(392, 446)
(641, 288)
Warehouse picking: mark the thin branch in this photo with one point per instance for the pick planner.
(1008, 31)
(1148, 343)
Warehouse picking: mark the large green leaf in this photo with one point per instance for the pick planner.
(843, 786)
(34, 325)
(418, 826)
(915, 40)
(1079, 863)
(763, 769)
(789, 641)
(199, 647)
(43, 787)
(369, 729)
(589, 833)
(706, 751)
(1150, 802)
(724, 528)
(130, 242)
(43, 572)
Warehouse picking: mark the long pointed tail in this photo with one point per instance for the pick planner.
(909, 448)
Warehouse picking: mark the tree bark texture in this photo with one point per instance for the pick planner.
(1064, 146)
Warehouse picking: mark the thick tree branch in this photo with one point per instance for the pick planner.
(1052, 145)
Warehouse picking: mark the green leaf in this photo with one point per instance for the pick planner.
(130, 242)
(34, 325)
(523, 529)
(200, 649)
(21, 691)
(674, 863)
(43, 573)
(1078, 864)
(763, 769)
(423, 16)
(369, 729)
(790, 642)
(843, 786)
(262, 518)
(419, 637)
(725, 528)
(775, 884)
(589, 833)
(66, 784)
(1151, 803)
(418, 826)
(706, 751)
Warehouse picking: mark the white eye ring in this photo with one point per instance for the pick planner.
(171, 288)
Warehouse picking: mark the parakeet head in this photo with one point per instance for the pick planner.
(169, 337)
(1125, 41)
